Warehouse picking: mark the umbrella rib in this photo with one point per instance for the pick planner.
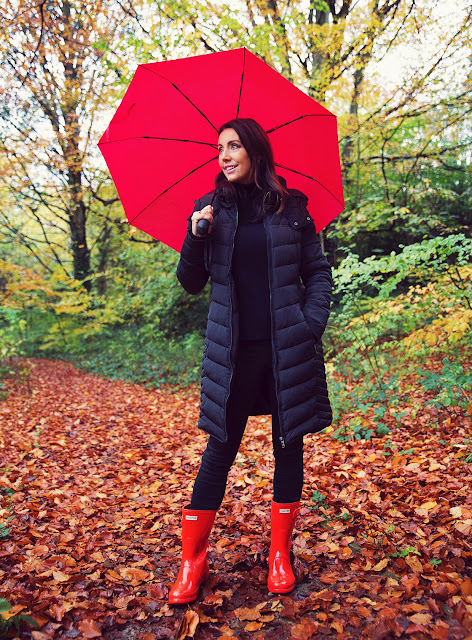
(241, 85)
(308, 115)
(172, 186)
(182, 94)
(310, 178)
(208, 144)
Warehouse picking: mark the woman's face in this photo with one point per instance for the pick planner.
(234, 159)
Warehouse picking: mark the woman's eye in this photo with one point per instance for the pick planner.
(233, 146)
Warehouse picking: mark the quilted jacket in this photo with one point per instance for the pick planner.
(300, 293)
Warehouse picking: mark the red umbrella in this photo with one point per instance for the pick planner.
(160, 146)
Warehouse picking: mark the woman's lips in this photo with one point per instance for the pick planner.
(230, 169)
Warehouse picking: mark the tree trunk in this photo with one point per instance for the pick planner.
(77, 225)
(348, 150)
(73, 71)
(279, 34)
(103, 245)
(318, 60)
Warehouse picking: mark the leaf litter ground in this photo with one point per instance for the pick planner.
(95, 473)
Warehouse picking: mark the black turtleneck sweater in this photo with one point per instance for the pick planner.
(250, 266)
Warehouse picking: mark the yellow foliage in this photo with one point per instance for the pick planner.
(67, 298)
(450, 328)
(21, 287)
(438, 293)
(382, 308)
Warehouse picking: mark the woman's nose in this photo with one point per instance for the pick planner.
(225, 154)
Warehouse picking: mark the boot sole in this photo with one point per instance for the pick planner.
(282, 589)
(191, 598)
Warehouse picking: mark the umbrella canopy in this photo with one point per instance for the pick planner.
(161, 145)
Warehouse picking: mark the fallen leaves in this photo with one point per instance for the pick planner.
(305, 630)
(245, 613)
(188, 625)
(414, 564)
(135, 576)
(88, 628)
(381, 565)
(95, 474)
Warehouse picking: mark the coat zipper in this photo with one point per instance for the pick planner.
(230, 320)
(274, 367)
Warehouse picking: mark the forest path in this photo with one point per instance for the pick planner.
(94, 474)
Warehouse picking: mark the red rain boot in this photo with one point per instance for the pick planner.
(196, 528)
(281, 578)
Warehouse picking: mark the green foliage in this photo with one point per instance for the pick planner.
(12, 328)
(318, 499)
(5, 495)
(452, 385)
(145, 329)
(421, 262)
(143, 295)
(410, 179)
(382, 429)
(358, 429)
(146, 291)
(7, 624)
(390, 314)
(4, 528)
(143, 355)
(426, 210)
(405, 552)
(319, 503)
(12, 340)
(388, 448)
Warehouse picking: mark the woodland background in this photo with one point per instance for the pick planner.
(78, 283)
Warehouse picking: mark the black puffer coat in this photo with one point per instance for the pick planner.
(300, 293)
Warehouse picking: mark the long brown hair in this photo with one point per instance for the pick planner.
(257, 145)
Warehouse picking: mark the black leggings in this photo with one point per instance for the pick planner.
(253, 369)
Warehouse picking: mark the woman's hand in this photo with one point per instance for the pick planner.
(205, 214)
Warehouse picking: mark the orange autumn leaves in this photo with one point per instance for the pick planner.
(95, 473)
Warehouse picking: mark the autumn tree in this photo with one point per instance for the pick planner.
(392, 130)
(313, 44)
(406, 145)
(61, 63)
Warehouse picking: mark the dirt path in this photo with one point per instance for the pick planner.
(95, 473)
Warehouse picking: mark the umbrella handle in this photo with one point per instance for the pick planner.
(202, 227)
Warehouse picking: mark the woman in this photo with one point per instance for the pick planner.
(270, 297)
